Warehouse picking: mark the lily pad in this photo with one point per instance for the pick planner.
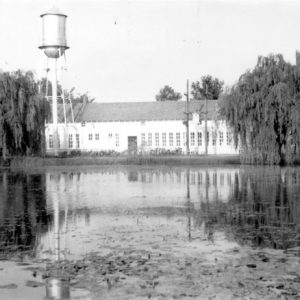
(9, 286)
(34, 284)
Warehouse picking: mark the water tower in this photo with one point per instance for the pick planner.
(54, 44)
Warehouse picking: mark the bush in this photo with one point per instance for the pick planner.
(75, 153)
(161, 151)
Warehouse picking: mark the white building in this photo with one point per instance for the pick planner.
(142, 127)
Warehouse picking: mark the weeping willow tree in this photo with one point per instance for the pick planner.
(263, 109)
(22, 115)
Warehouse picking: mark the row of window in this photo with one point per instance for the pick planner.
(175, 139)
(110, 135)
(97, 136)
(77, 140)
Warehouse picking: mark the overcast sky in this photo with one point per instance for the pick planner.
(127, 50)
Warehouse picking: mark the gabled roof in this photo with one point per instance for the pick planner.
(144, 111)
(135, 111)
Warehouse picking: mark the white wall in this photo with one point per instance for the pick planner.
(114, 136)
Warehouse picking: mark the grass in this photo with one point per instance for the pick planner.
(173, 160)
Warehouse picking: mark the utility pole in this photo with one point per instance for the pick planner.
(205, 123)
(187, 112)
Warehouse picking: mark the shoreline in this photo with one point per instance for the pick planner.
(172, 160)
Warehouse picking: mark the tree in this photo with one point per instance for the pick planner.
(263, 109)
(209, 88)
(168, 94)
(45, 87)
(22, 114)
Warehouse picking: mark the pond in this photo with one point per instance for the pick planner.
(63, 215)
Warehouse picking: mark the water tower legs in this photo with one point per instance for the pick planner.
(54, 105)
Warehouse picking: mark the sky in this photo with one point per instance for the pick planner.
(128, 50)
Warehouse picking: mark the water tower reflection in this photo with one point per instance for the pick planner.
(58, 284)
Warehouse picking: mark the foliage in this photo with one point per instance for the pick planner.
(168, 94)
(22, 114)
(162, 151)
(45, 87)
(208, 88)
(264, 108)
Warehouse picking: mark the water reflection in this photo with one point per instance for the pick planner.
(25, 219)
(58, 286)
(57, 289)
(266, 208)
(188, 205)
(23, 215)
(50, 215)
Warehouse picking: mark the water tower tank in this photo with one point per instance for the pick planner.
(54, 40)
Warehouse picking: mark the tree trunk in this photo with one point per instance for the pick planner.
(4, 148)
(43, 141)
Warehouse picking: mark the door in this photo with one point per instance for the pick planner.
(132, 145)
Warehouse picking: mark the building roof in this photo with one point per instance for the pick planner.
(144, 111)
(135, 111)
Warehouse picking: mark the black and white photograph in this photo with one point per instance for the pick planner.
(149, 149)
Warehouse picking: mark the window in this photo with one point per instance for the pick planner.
(228, 138)
(70, 141)
(50, 141)
(143, 138)
(58, 141)
(222, 179)
(117, 140)
(90, 137)
(228, 179)
(214, 138)
(221, 138)
(171, 139)
(157, 139)
(200, 179)
(184, 138)
(150, 139)
(215, 179)
(97, 136)
(192, 138)
(178, 139)
(193, 178)
(207, 178)
(77, 141)
(110, 135)
(83, 124)
(207, 137)
(199, 137)
(164, 139)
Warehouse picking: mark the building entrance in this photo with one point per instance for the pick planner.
(132, 145)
